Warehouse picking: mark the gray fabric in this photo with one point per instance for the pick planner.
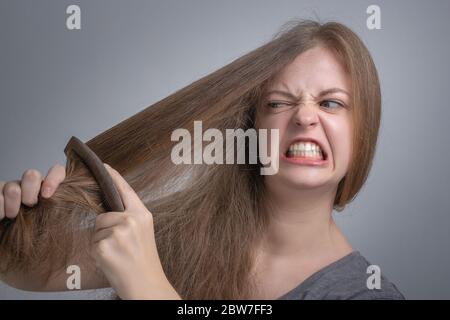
(344, 279)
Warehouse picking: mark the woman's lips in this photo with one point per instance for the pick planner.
(305, 161)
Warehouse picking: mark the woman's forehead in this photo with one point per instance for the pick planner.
(314, 70)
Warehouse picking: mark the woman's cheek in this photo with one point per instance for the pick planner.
(343, 146)
(269, 124)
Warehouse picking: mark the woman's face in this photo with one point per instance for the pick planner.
(309, 101)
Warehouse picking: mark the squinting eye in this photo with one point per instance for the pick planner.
(276, 105)
(334, 104)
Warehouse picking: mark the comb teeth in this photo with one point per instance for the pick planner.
(98, 171)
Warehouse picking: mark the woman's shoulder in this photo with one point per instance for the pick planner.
(352, 277)
(358, 279)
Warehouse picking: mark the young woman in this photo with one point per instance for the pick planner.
(217, 231)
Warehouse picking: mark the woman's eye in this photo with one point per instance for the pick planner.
(330, 104)
(276, 105)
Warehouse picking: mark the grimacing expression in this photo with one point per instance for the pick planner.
(310, 100)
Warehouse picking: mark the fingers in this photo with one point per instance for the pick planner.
(129, 198)
(11, 198)
(108, 220)
(26, 191)
(102, 234)
(54, 177)
(107, 224)
(30, 185)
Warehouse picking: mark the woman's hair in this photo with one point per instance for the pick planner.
(207, 218)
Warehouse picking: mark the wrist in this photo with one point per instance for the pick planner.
(154, 290)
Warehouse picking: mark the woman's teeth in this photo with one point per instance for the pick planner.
(305, 150)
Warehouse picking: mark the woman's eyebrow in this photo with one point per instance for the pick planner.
(321, 93)
(332, 90)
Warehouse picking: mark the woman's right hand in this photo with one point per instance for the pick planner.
(26, 191)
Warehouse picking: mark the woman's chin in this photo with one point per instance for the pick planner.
(304, 181)
(306, 185)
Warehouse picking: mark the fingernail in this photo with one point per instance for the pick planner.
(46, 191)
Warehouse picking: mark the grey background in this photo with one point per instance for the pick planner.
(56, 83)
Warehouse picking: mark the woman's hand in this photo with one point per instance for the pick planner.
(26, 191)
(125, 248)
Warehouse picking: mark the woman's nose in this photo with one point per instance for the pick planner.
(306, 115)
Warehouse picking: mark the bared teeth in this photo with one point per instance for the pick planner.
(305, 149)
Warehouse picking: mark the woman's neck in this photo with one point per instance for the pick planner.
(301, 224)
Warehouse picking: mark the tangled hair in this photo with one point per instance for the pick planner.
(207, 218)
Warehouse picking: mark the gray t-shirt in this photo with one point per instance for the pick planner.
(344, 279)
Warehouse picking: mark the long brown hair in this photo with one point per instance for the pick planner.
(207, 217)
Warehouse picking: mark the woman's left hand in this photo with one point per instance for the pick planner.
(125, 248)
